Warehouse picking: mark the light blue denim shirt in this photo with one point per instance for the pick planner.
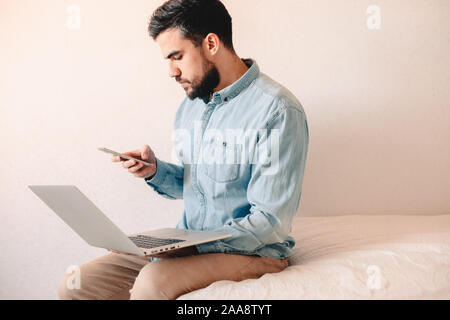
(255, 201)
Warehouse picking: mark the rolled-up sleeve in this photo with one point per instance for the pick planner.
(274, 190)
(168, 180)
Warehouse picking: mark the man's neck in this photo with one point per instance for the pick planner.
(231, 72)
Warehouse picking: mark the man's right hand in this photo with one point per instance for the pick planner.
(136, 168)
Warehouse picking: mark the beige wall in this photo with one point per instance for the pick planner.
(377, 102)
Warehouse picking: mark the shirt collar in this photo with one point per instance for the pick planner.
(236, 88)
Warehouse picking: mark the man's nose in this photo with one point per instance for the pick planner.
(174, 71)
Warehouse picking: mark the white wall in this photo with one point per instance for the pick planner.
(377, 102)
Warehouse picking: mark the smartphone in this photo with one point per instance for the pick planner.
(124, 156)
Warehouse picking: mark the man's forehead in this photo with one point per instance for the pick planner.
(171, 41)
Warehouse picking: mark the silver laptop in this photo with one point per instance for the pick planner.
(81, 214)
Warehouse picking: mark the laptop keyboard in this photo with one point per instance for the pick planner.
(147, 242)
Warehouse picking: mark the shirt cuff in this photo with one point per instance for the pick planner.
(161, 174)
(212, 247)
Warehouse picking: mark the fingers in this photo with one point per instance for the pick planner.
(134, 154)
(138, 169)
(129, 164)
(133, 167)
(145, 153)
(118, 159)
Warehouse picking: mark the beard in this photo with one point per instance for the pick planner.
(205, 86)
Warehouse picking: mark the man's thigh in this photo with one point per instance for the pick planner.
(172, 277)
(107, 277)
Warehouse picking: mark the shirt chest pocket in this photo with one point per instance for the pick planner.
(221, 160)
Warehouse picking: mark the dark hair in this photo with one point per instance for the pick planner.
(195, 19)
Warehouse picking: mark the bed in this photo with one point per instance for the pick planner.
(354, 257)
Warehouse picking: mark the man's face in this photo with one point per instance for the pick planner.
(188, 65)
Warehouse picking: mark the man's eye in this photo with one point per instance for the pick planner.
(178, 58)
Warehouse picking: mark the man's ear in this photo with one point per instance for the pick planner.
(211, 44)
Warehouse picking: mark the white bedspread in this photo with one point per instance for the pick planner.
(355, 257)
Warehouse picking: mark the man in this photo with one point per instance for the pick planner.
(255, 201)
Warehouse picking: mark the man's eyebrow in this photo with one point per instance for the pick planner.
(173, 53)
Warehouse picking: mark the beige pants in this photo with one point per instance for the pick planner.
(117, 277)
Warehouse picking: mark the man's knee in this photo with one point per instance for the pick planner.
(152, 283)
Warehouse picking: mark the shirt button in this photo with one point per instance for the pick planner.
(224, 143)
(226, 99)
